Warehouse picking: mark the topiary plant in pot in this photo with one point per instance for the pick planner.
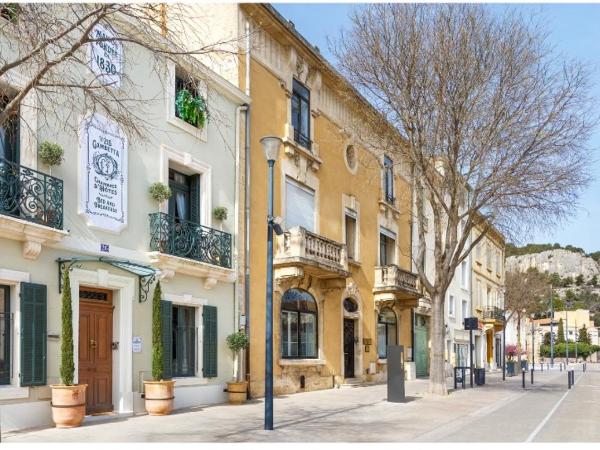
(158, 393)
(50, 154)
(68, 399)
(237, 342)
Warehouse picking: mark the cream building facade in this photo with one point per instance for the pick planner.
(94, 217)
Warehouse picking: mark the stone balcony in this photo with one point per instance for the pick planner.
(300, 252)
(492, 315)
(395, 284)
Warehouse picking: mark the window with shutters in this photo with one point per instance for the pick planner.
(387, 247)
(299, 206)
(183, 350)
(6, 337)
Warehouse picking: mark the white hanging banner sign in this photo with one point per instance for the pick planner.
(103, 169)
(106, 57)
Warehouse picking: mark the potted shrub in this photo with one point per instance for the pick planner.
(158, 393)
(237, 389)
(511, 352)
(68, 400)
(191, 108)
(50, 154)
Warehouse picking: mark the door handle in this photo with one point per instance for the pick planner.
(92, 343)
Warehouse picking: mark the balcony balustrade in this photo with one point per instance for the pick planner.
(493, 313)
(314, 254)
(394, 283)
(30, 195)
(191, 240)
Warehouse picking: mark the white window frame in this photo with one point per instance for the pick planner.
(308, 189)
(451, 306)
(348, 212)
(201, 134)
(464, 275)
(198, 303)
(13, 279)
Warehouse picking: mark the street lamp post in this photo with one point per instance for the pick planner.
(575, 341)
(271, 145)
(504, 346)
(532, 344)
(567, 334)
(551, 328)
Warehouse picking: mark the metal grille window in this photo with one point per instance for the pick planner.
(184, 341)
(298, 325)
(301, 114)
(5, 335)
(386, 331)
(388, 179)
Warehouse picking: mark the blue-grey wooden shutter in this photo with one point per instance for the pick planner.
(195, 198)
(166, 314)
(209, 341)
(33, 334)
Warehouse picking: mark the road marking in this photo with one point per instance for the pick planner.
(550, 414)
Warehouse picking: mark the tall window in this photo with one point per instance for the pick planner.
(387, 247)
(301, 114)
(179, 202)
(184, 341)
(9, 135)
(464, 275)
(299, 206)
(298, 324)
(350, 224)
(499, 262)
(386, 331)
(388, 179)
(464, 309)
(5, 334)
(479, 294)
(451, 305)
(488, 256)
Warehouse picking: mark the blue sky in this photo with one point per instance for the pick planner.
(574, 31)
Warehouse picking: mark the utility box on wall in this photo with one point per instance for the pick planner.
(395, 374)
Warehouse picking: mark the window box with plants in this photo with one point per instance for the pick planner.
(237, 387)
(68, 399)
(190, 106)
(158, 393)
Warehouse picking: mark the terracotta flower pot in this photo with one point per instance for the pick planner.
(237, 392)
(68, 405)
(159, 397)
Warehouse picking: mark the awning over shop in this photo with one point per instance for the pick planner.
(146, 274)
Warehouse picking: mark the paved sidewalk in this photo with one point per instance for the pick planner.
(359, 414)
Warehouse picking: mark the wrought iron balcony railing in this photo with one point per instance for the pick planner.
(393, 277)
(189, 240)
(493, 312)
(30, 195)
(303, 140)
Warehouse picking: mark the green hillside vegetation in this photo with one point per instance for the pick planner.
(513, 250)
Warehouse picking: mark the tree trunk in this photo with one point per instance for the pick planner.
(519, 337)
(437, 370)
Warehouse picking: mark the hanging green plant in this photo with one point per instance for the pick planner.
(159, 192)
(191, 108)
(220, 213)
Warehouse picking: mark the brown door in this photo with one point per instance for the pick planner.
(95, 348)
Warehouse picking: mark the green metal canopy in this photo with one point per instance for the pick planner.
(146, 274)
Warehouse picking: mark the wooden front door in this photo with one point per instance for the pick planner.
(348, 348)
(95, 348)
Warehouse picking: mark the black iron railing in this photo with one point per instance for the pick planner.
(493, 312)
(303, 140)
(30, 195)
(189, 240)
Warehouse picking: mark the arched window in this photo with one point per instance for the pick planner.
(298, 325)
(386, 331)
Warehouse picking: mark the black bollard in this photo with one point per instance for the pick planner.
(569, 379)
(531, 376)
(561, 367)
(542, 366)
(463, 378)
(523, 376)
(455, 369)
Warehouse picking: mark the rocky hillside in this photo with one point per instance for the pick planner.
(565, 263)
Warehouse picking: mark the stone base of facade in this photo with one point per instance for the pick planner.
(296, 379)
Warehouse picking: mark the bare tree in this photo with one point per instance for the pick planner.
(48, 46)
(523, 292)
(492, 124)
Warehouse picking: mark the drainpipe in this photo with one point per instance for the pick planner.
(247, 214)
